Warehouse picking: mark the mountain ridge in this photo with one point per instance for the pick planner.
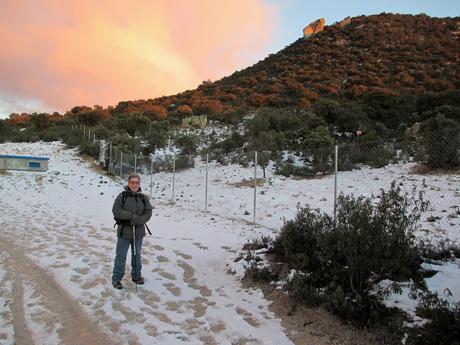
(392, 54)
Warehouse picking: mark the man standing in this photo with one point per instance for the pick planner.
(131, 210)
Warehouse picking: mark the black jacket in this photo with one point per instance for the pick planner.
(135, 208)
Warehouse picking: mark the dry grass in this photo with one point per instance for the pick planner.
(315, 324)
(249, 183)
(95, 167)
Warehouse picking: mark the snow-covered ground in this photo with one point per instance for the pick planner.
(231, 195)
(62, 221)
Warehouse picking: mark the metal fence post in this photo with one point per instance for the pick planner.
(89, 134)
(206, 186)
(336, 158)
(135, 163)
(121, 164)
(255, 186)
(110, 160)
(151, 177)
(174, 178)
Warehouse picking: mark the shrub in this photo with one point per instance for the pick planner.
(71, 138)
(441, 138)
(187, 143)
(52, 134)
(340, 263)
(89, 148)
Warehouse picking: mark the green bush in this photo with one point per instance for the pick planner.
(187, 143)
(72, 138)
(340, 263)
(441, 138)
(52, 134)
(89, 148)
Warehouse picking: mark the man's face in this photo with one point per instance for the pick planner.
(134, 184)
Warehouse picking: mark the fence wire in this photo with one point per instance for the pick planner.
(268, 193)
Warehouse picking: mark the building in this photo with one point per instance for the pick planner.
(29, 163)
(195, 121)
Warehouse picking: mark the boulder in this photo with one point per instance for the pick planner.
(314, 28)
(344, 22)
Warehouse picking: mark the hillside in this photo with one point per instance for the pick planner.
(387, 53)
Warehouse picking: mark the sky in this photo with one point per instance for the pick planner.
(58, 54)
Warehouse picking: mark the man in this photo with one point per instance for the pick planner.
(131, 210)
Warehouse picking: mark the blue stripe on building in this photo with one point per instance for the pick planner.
(25, 157)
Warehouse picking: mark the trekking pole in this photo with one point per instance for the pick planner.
(148, 228)
(134, 240)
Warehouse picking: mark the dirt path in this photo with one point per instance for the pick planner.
(315, 326)
(77, 327)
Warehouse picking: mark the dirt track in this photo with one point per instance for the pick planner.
(77, 327)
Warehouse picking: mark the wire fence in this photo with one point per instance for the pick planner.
(266, 187)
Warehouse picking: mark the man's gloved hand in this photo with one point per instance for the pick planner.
(135, 219)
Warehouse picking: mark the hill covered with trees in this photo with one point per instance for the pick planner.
(387, 54)
(377, 74)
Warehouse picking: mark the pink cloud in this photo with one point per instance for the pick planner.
(84, 52)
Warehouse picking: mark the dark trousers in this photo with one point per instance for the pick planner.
(120, 259)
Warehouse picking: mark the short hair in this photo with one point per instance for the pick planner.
(134, 176)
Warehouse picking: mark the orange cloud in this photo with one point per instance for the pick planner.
(61, 54)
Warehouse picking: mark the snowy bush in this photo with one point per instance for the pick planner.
(342, 261)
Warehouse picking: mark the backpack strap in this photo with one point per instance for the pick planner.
(125, 196)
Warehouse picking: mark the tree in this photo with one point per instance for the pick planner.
(267, 144)
(187, 144)
(184, 110)
(157, 137)
(327, 109)
(318, 149)
(40, 121)
(154, 112)
(138, 124)
(441, 139)
(19, 120)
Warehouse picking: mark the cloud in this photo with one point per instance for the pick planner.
(82, 52)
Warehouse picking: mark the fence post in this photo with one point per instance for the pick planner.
(121, 164)
(110, 159)
(174, 178)
(206, 186)
(89, 134)
(336, 158)
(151, 176)
(255, 186)
(135, 163)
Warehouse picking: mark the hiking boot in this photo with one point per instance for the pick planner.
(139, 280)
(117, 285)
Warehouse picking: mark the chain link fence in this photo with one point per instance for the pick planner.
(266, 187)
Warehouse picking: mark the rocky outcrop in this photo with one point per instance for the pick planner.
(314, 28)
(456, 32)
(344, 22)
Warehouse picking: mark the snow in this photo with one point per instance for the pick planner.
(62, 220)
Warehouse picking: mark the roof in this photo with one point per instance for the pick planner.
(25, 157)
